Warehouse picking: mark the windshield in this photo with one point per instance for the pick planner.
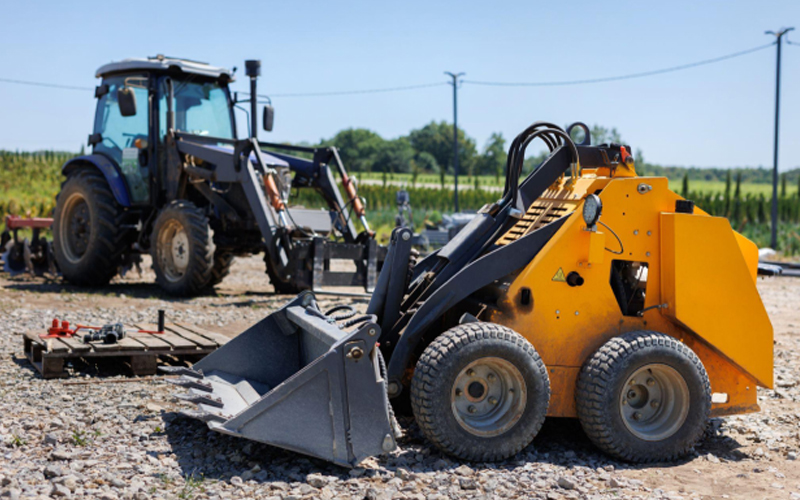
(201, 108)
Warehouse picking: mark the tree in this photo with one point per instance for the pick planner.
(358, 148)
(493, 159)
(427, 163)
(436, 138)
(685, 187)
(639, 158)
(783, 185)
(394, 156)
(728, 194)
(603, 135)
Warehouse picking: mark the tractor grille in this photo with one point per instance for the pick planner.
(553, 204)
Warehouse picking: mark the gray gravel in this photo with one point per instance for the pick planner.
(111, 440)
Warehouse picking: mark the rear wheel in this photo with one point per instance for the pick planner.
(88, 239)
(221, 267)
(182, 248)
(644, 397)
(480, 392)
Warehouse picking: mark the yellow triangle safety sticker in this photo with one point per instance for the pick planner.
(560, 275)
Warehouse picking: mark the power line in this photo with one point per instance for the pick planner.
(473, 82)
(42, 84)
(363, 91)
(621, 77)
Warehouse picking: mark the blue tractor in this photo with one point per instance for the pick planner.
(167, 176)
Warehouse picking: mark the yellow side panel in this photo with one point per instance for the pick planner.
(709, 289)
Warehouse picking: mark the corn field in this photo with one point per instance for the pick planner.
(29, 183)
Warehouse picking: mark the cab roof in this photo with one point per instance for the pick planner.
(166, 64)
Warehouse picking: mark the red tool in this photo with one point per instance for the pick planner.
(61, 329)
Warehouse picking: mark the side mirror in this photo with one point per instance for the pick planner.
(269, 117)
(127, 101)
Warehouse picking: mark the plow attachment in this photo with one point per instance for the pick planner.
(21, 255)
(299, 381)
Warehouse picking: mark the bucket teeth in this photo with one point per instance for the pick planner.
(181, 370)
(200, 399)
(192, 384)
(204, 416)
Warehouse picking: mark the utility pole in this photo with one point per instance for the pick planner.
(779, 36)
(455, 77)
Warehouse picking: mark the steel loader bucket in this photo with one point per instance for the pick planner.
(298, 381)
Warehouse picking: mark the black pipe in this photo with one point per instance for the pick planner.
(252, 69)
(170, 106)
(160, 320)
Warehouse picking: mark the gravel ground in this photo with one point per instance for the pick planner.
(93, 436)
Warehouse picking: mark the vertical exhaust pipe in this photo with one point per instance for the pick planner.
(252, 68)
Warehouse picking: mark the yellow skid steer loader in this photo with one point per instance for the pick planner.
(585, 291)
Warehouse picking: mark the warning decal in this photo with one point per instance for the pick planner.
(560, 276)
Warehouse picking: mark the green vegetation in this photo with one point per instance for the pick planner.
(421, 162)
(79, 438)
(192, 486)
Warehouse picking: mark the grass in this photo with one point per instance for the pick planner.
(79, 438)
(17, 441)
(192, 486)
(490, 180)
(29, 183)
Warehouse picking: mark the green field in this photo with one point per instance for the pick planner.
(492, 181)
(29, 183)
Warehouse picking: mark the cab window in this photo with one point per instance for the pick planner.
(201, 108)
(119, 132)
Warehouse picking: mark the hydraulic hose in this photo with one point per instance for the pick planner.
(552, 135)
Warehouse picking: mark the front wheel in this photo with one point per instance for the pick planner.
(644, 397)
(480, 392)
(182, 247)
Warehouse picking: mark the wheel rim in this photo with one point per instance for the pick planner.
(654, 402)
(76, 227)
(488, 397)
(173, 250)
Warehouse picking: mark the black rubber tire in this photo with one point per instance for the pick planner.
(201, 249)
(221, 267)
(601, 381)
(436, 372)
(281, 285)
(107, 238)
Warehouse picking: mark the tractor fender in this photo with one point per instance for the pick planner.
(481, 272)
(110, 171)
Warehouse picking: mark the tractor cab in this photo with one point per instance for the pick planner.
(134, 93)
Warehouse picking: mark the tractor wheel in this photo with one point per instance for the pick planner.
(480, 392)
(182, 246)
(644, 397)
(221, 267)
(279, 283)
(88, 238)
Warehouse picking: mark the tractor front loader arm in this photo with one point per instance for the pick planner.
(317, 173)
(237, 167)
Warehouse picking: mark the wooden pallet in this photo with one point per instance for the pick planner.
(141, 349)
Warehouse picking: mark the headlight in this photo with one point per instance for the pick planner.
(592, 208)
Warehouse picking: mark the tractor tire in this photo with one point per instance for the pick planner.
(221, 267)
(644, 397)
(182, 247)
(480, 392)
(281, 285)
(88, 234)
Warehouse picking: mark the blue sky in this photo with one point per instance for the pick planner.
(716, 115)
